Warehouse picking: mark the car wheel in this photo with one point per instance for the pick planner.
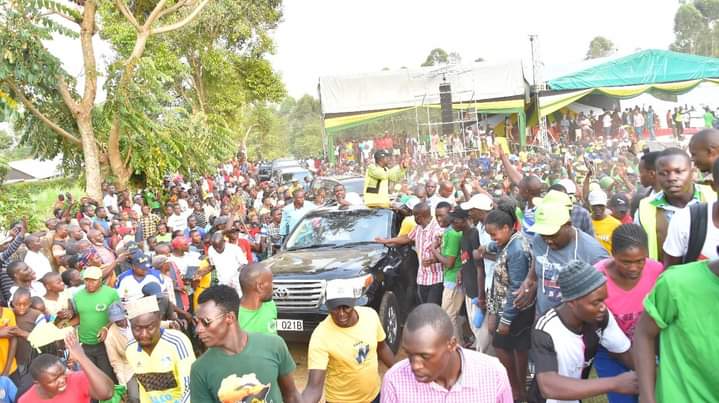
(389, 316)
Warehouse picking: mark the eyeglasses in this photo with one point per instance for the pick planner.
(205, 322)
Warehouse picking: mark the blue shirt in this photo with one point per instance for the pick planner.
(8, 391)
(292, 215)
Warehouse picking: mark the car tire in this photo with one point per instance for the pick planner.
(389, 317)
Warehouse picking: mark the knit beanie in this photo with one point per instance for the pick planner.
(578, 279)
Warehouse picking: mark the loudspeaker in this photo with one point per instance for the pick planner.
(445, 101)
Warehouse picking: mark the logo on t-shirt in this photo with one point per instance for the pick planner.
(100, 307)
(361, 352)
(243, 389)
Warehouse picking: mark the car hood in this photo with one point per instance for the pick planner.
(325, 263)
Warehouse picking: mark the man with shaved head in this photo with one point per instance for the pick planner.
(437, 369)
(445, 194)
(258, 312)
(704, 148)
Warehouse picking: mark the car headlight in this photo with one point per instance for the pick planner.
(355, 286)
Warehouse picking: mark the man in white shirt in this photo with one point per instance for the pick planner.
(228, 260)
(34, 259)
(607, 124)
(346, 199)
(178, 220)
(110, 200)
(130, 283)
(445, 194)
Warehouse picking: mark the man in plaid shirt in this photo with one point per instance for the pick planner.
(424, 236)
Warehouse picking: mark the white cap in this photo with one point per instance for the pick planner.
(142, 306)
(597, 198)
(479, 201)
(569, 186)
(411, 202)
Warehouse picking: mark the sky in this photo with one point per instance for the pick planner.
(335, 37)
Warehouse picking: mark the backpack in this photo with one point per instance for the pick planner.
(698, 213)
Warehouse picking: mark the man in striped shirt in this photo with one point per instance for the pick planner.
(160, 358)
(426, 236)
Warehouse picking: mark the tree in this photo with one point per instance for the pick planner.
(695, 28)
(35, 78)
(436, 56)
(599, 47)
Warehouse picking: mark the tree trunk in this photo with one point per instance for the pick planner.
(117, 164)
(93, 175)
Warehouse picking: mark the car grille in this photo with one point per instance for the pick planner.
(298, 294)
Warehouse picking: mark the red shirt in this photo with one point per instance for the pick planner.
(77, 391)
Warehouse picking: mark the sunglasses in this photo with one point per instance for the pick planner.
(206, 322)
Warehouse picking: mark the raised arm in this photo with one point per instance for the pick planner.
(101, 386)
(513, 173)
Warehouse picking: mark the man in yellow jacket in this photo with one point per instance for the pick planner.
(377, 178)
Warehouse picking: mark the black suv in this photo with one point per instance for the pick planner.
(333, 246)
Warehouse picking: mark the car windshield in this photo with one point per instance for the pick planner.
(290, 176)
(339, 228)
(354, 185)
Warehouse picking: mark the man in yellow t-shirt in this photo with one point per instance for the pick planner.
(160, 358)
(604, 224)
(344, 350)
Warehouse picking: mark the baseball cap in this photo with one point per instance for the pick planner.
(568, 185)
(578, 279)
(115, 312)
(139, 259)
(549, 218)
(151, 288)
(92, 273)
(339, 294)
(597, 198)
(479, 201)
(619, 202)
(553, 197)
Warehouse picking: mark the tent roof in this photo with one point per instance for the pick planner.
(361, 93)
(645, 67)
(38, 169)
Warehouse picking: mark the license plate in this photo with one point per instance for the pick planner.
(290, 325)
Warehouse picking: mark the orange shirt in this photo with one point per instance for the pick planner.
(7, 318)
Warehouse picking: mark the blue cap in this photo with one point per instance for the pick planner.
(151, 288)
(140, 260)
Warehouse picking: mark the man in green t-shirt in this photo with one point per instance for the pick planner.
(91, 307)
(448, 253)
(680, 316)
(258, 312)
(238, 366)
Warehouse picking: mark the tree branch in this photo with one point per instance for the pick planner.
(66, 96)
(59, 14)
(183, 22)
(172, 9)
(153, 15)
(38, 114)
(128, 15)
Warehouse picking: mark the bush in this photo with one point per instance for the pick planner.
(33, 200)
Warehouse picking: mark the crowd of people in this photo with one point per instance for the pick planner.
(555, 262)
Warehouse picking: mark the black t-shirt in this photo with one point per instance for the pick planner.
(470, 242)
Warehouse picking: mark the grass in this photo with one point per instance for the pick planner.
(44, 199)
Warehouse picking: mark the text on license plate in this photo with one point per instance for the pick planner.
(290, 325)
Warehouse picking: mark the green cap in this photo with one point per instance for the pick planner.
(554, 197)
(549, 218)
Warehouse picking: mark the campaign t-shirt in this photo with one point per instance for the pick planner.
(627, 305)
(451, 246)
(77, 391)
(683, 305)
(92, 310)
(349, 355)
(550, 262)
(261, 320)
(253, 373)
